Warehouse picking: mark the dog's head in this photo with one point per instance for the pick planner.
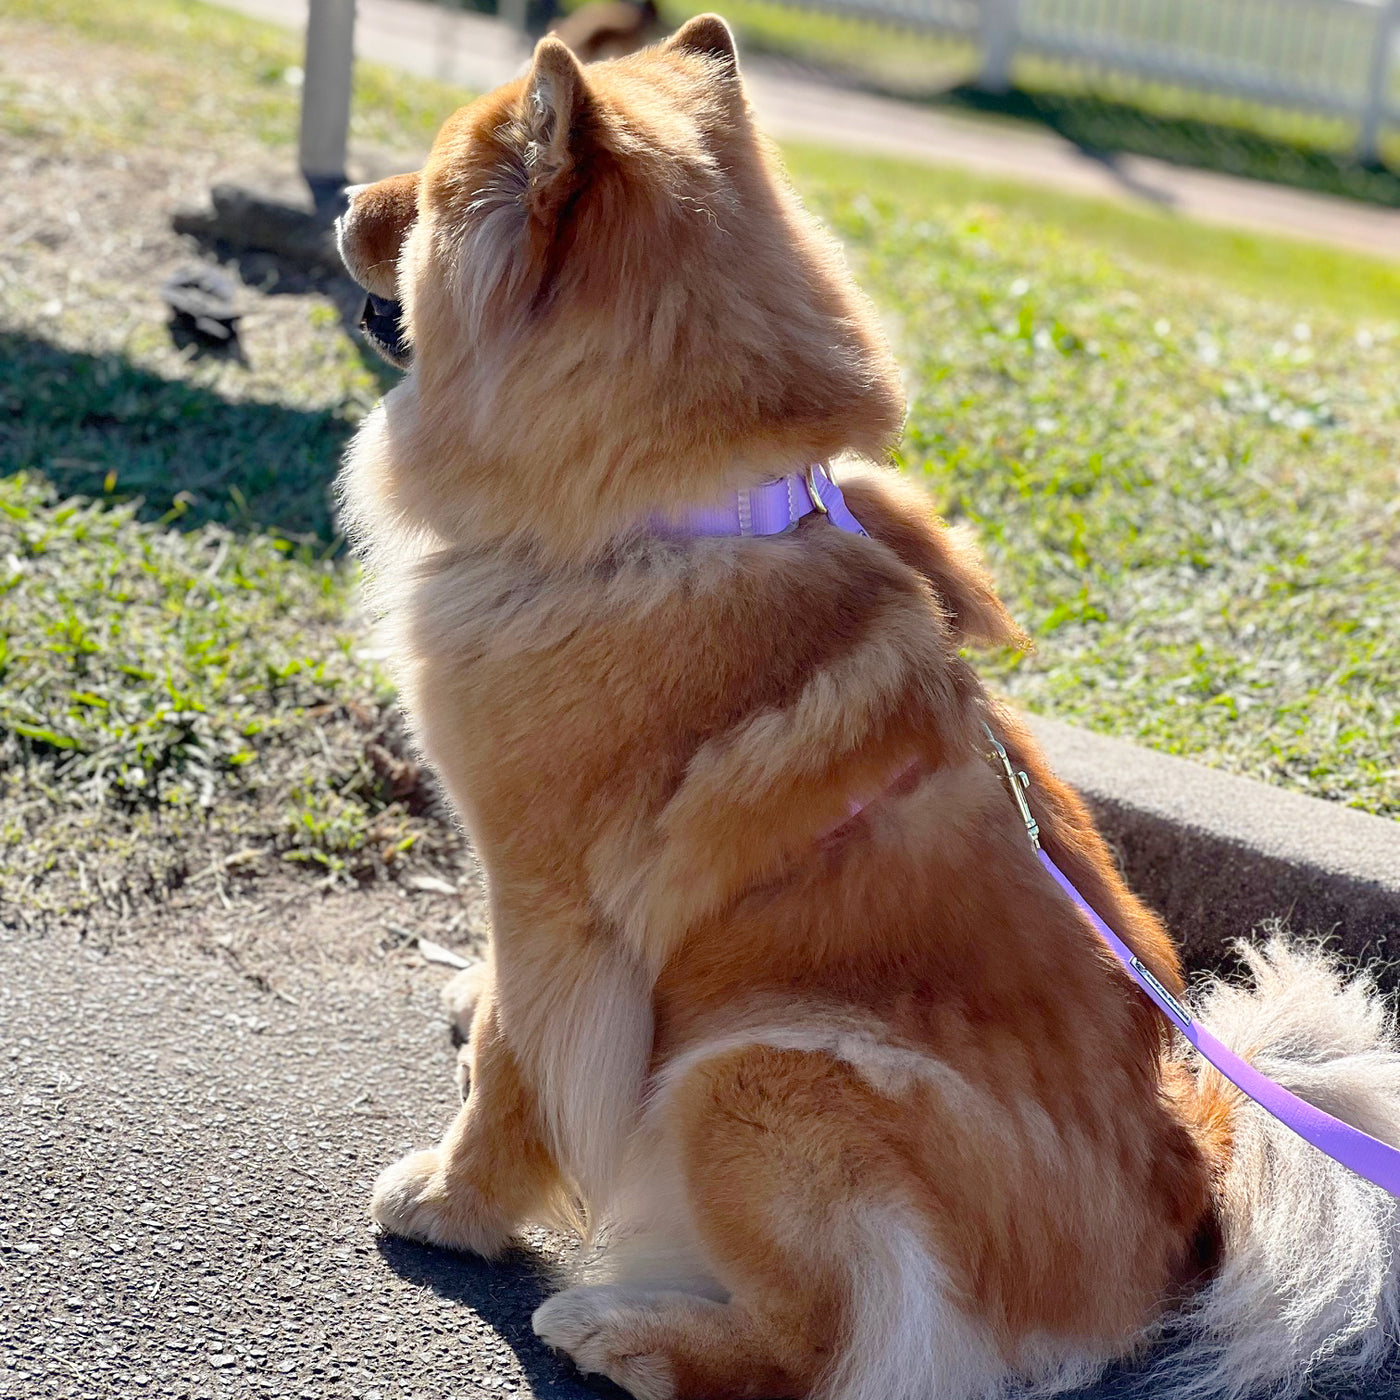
(612, 300)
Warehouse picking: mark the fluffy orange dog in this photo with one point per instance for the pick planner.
(856, 1105)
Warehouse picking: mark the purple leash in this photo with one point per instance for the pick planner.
(1368, 1157)
(775, 507)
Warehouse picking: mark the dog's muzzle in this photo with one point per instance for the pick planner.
(382, 323)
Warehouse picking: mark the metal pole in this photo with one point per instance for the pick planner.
(513, 14)
(1378, 81)
(325, 93)
(997, 25)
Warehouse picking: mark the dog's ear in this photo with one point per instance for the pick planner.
(710, 37)
(372, 230)
(899, 514)
(559, 111)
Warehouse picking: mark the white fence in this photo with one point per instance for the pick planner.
(1331, 56)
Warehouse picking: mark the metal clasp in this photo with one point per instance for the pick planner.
(811, 478)
(1019, 782)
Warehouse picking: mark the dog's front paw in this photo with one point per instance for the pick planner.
(418, 1199)
(606, 1330)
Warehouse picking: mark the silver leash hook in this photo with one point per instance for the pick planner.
(1019, 782)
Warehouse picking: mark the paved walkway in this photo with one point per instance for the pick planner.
(477, 52)
(185, 1163)
(185, 1158)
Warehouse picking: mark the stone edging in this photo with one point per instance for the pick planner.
(1216, 855)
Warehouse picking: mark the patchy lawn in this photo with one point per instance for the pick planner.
(187, 703)
(1180, 445)
(175, 75)
(184, 705)
(1190, 495)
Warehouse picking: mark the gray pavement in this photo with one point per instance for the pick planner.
(185, 1155)
(477, 52)
(184, 1166)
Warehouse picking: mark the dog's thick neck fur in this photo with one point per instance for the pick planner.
(583, 228)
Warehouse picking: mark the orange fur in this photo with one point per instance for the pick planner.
(385, 211)
(789, 1052)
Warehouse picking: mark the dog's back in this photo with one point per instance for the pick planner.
(778, 986)
(607, 28)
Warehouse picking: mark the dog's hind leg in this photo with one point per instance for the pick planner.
(805, 1214)
(461, 995)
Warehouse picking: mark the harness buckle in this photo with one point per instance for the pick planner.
(1018, 781)
(810, 476)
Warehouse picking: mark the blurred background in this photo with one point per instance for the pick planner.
(1300, 91)
(1138, 259)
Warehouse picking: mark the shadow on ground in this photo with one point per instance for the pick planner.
(504, 1293)
(98, 426)
(272, 274)
(1104, 128)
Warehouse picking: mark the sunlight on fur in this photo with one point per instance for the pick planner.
(781, 1011)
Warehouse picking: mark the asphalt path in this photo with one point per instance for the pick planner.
(184, 1167)
(185, 1157)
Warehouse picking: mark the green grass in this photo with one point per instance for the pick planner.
(182, 678)
(139, 661)
(1177, 442)
(172, 698)
(118, 425)
(182, 684)
(1276, 270)
(193, 73)
(884, 54)
(1188, 494)
(1122, 116)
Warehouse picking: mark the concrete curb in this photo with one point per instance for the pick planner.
(1217, 854)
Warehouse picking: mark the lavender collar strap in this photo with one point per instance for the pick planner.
(1368, 1157)
(770, 509)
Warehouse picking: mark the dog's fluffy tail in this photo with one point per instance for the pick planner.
(1309, 1284)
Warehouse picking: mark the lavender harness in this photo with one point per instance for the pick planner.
(774, 508)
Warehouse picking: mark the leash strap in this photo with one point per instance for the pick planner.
(1368, 1157)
